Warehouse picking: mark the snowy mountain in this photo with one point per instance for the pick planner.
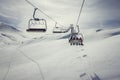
(6, 27)
(9, 34)
(50, 57)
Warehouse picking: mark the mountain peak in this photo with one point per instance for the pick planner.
(7, 27)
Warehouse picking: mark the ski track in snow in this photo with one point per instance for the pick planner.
(19, 51)
(51, 58)
(34, 61)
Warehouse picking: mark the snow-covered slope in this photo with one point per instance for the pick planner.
(50, 57)
(95, 35)
(9, 34)
(8, 28)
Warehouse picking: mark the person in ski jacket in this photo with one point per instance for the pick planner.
(81, 41)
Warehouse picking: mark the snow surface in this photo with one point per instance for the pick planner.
(50, 57)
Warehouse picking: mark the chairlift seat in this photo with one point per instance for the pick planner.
(57, 30)
(35, 30)
(37, 25)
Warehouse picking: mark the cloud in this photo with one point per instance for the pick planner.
(64, 11)
(9, 20)
(10, 11)
(101, 11)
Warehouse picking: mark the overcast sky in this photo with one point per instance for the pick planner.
(65, 12)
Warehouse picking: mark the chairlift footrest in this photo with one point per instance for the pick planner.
(36, 30)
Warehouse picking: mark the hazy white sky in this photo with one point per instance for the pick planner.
(95, 12)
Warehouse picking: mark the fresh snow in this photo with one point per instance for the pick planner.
(50, 56)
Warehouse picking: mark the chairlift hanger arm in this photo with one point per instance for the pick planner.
(39, 10)
(35, 9)
(42, 11)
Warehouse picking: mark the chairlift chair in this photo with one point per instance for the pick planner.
(57, 29)
(76, 38)
(36, 24)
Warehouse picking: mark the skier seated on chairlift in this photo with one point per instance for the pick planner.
(81, 41)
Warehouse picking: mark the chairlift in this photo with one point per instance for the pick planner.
(57, 29)
(36, 24)
(76, 38)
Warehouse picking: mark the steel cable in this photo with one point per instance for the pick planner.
(80, 12)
